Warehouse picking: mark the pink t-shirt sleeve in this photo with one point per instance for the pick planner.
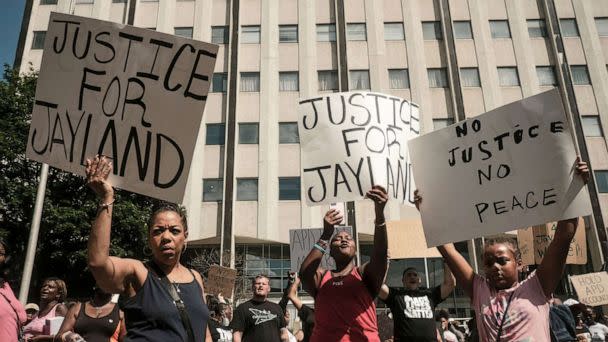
(480, 290)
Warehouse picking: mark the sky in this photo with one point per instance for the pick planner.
(10, 25)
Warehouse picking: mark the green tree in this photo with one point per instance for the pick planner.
(69, 205)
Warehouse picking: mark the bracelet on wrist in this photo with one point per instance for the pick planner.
(106, 206)
(380, 224)
(319, 248)
(323, 243)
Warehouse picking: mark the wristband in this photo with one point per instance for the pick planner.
(383, 224)
(106, 206)
(321, 249)
(323, 243)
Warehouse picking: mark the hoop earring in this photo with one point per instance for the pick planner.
(147, 250)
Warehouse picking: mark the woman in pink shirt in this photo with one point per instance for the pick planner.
(506, 308)
(12, 313)
(52, 295)
(344, 297)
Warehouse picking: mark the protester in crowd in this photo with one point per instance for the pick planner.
(597, 330)
(31, 310)
(162, 300)
(445, 333)
(561, 322)
(12, 313)
(344, 297)
(582, 331)
(52, 297)
(291, 337)
(96, 320)
(507, 309)
(259, 319)
(472, 335)
(305, 313)
(413, 307)
(219, 322)
(447, 326)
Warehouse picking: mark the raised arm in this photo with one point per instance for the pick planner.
(375, 271)
(109, 272)
(310, 271)
(552, 267)
(384, 292)
(292, 294)
(66, 331)
(449, 282)
(463, 272)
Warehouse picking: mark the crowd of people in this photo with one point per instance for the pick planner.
(163, 300)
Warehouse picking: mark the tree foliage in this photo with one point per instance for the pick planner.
(69, 206)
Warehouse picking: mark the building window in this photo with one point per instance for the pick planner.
(269, 259)
(288, 133)
(568, 27)
(185, 32)
(248, 133)
(398, 79)
(288, 33)
(442, 123)
(508, 77)
(289, 81)
(431, 30)
(591, 126)
(602, 26)
(250, 34)
(219, 83)
(85, 1)
(247, 189)
(326, 32)
(537, 28)
(500, 29)
(213, 189)
(215, 134)
(358, 80)
(219, 34)
(356, 32)
(250, 81)
(289, 188)
(149, 0)
(438, 78)
(393, 31)
(328, 80)
(470, 77)
(48, 2)
(38, 40)
(601, 177)
(580, 75)
(546, 76)
(462, 30)
(117, 1)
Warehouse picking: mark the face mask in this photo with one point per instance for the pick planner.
(225, 321)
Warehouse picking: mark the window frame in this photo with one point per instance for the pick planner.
(398, 70)
(284, 73)
(394, 24)
(505, 68)
(190, 28)
(283, 196)
(239, 183)
(349, 33)
(331, 37)
(244, 140)
(225, 35)
(297, 38)
(220, 184)
(469, 28)
(500, 21)
(282, 137)
(437, 32)
(221, 133)
(250, 34)
(37, 42)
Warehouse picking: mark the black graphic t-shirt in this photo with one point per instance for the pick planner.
(259, 321)
(413, 313)
(219, 333)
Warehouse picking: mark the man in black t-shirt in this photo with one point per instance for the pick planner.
(258, 319)
(413, 307)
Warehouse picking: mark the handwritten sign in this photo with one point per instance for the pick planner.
(220, 280)
(301, 242)
(591, 288)
(132, 94)
(534, 241)
(351, 141)
(508, 168)
(406, 240)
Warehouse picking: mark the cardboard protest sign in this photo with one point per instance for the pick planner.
(534, 241)
(132, 94)
(406, 240)
(351, 141)
(220, 280)
(301, 242)
(508, 168)
(591, 288)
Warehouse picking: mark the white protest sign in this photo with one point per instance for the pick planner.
(591, 288)
(301, 242)
(511, 167)
(132, 94)
(354, 140)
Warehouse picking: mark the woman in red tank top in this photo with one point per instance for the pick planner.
(344, 297)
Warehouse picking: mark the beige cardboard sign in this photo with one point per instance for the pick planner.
(534, 241)
(591, 288)
(220, 280)
(132, 94)
(406, 240)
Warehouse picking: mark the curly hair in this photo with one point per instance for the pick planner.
(509, 242)
(167, 206)
(61, 287)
